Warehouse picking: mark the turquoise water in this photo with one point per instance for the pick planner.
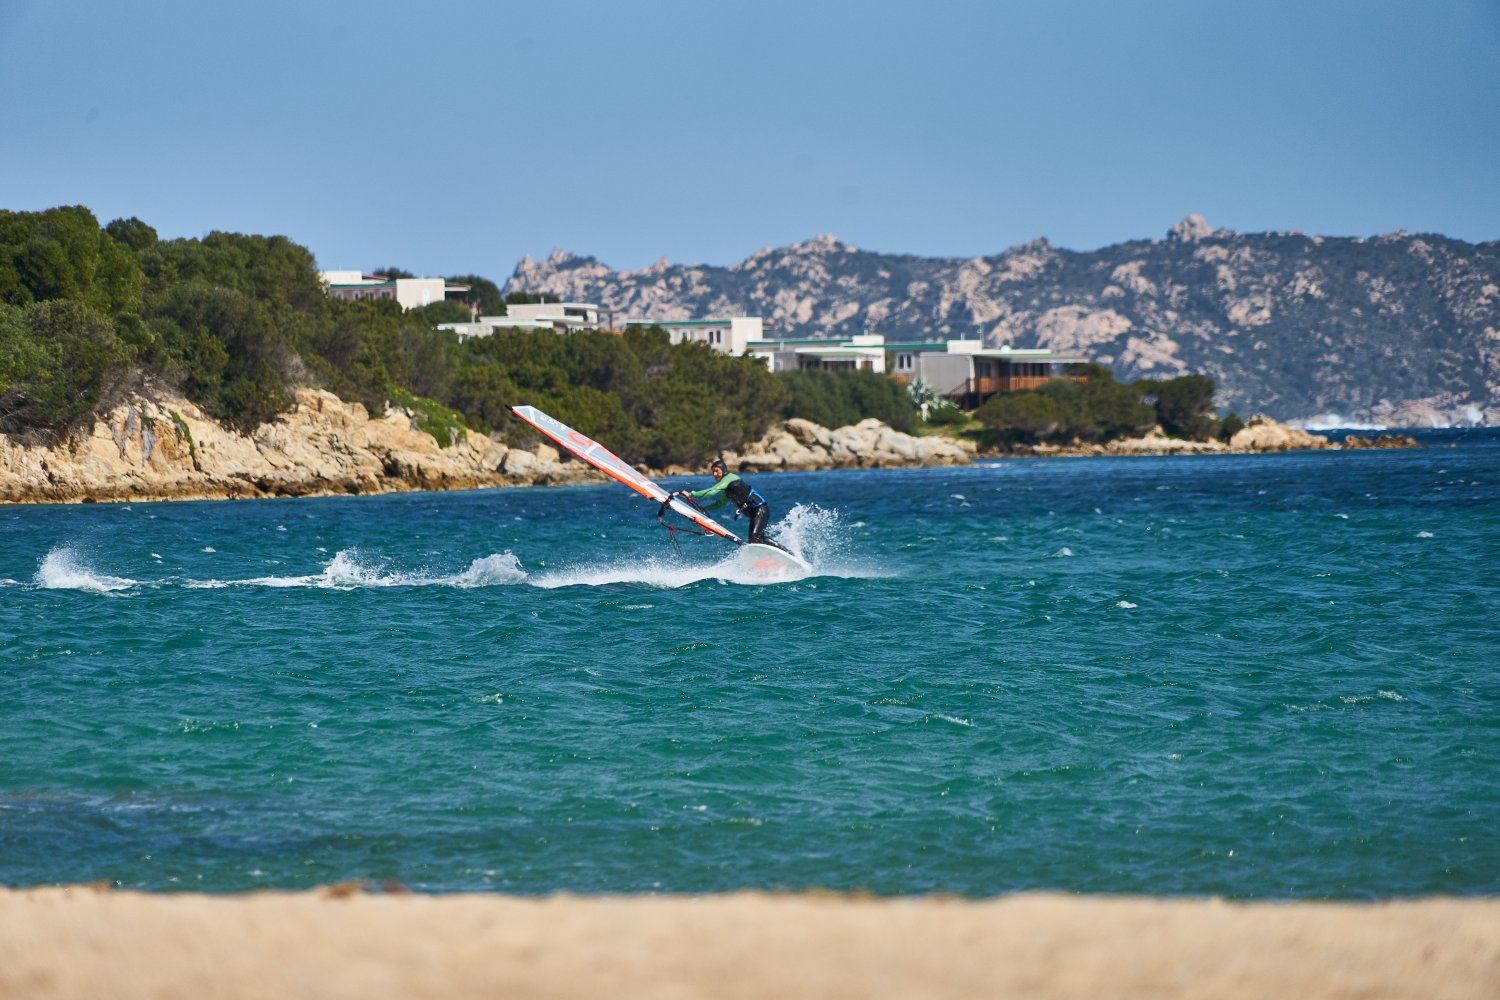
(1272, 676)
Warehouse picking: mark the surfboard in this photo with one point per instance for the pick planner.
(770, 562)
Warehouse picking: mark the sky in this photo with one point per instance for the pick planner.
(453, 138)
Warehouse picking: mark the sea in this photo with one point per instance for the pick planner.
(1249, 676)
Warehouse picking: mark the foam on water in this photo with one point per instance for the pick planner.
(350, 569)
(63, 568)
(651, 572)
(813, 534)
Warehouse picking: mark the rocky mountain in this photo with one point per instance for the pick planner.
(1401, 329)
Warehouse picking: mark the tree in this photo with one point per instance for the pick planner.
(837, 399)
(483, 294)
(63, 254)
(1184, 406)
(132, 233)
(443, 311)
(56, 364)
(226, 351)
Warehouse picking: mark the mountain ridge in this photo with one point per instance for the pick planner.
(1397, 329)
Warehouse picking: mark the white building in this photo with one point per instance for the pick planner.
(408, 292)
(865, 352)
(730, 335)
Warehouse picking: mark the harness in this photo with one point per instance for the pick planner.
(746, 498)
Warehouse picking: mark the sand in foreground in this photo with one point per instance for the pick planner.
(78, 942)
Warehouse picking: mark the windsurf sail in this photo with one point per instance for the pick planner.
(612, 465)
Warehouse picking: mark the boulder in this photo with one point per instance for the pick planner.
(1261, 433)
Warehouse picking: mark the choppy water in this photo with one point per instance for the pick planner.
(1270, 676)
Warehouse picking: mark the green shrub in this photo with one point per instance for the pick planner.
(946, 415)
(1024, 416)
(838, 399)
(445, 425)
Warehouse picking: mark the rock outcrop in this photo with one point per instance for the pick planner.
(1261, 433)
(802, 444)
(164, 447)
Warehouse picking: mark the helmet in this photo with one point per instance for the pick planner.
(717, 465)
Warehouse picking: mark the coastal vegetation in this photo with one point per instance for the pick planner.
(237, 322)
(1101, 409)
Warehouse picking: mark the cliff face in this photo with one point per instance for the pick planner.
(164, 447)
(1399, 329)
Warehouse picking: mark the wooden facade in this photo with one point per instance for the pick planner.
(969, 377)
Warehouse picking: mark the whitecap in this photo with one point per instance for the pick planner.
(953, 719)
(208, 548)
(65, 569)
(492, 570)
(1125, 604)
(1061, 553)
(349, 569)
(1425, 534)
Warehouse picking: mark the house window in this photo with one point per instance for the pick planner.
(905, 361)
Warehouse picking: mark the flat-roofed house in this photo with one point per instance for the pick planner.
(865, 352)
(409, 293)
(728, 334)
(968, 373)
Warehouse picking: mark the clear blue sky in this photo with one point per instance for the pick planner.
(448, 137)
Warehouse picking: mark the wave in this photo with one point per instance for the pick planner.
(814, 534)
(351, 570)
(64, 568)
(1334, 422)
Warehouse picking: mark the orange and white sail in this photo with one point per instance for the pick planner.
(612, 465)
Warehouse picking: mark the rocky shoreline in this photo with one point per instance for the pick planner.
(162, 447)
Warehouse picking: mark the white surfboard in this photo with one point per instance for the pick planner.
(770, 563)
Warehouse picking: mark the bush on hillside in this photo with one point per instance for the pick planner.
(58, 359)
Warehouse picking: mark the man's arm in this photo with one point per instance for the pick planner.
(716, 490)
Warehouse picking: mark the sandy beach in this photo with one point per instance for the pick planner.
(341, 943)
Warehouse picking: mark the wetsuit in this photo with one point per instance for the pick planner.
(732, 489)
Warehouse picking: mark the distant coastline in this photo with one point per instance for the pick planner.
(162, 447)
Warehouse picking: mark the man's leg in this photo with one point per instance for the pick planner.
(758, 519)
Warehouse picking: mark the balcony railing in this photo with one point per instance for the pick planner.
(983, 388)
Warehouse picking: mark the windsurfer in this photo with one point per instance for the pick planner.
(730, 488)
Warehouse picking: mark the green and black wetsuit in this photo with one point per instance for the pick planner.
(732, 489)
